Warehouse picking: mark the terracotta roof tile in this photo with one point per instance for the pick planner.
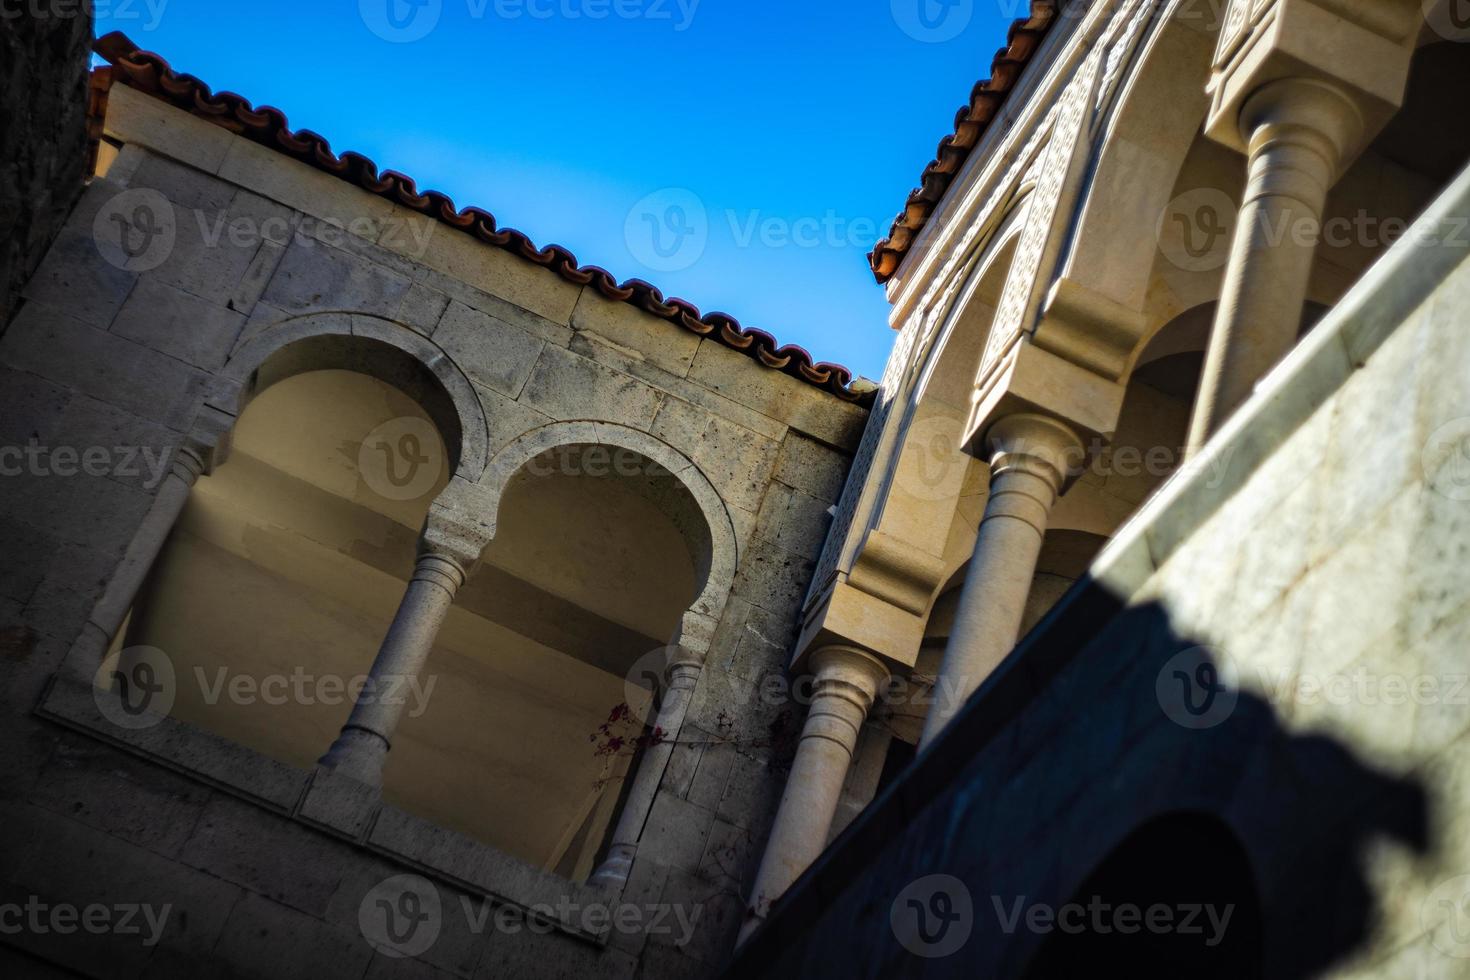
(970, 124)
(149, 73)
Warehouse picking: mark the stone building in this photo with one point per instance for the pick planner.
(1122, 627)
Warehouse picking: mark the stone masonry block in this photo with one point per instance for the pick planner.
(567, 386)
(315, 277)
(492, 353)
(46, 342)
(493, 270)
(77, 280)
(184, 185)
(66, 861)
(179, 324)
(462, 932)
(299, 186)
(794, 521)
(752, 793)
(501, 309)
(265, 853)
(773, 579)
(133, 117)
(816, 413)
(657, 341)
(120, 795)
(422, 308)
(736, 460)
(279, 942)
(808, 465)
(675, 832)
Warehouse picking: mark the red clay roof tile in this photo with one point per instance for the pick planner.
(970, 124)
(151, 74)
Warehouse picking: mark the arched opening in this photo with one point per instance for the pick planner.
(1176, 899)
(277, 586)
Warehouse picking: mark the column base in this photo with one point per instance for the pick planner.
(357, 754)
(615, 868)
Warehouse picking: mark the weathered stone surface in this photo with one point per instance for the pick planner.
(567, 386)
(735, 459)
(278, 941)
(47, 342)
(736, 376)
(314, 277)
(657, 341)
(121, 796)
(179, 324)
(43, 139)
(75, 278)
(675, 833)
(492, 353)
(810, 466)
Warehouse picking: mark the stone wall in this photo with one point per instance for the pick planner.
(43, 135)
(1276, 645)
(266, 868)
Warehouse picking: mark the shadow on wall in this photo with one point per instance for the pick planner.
(1105, 768)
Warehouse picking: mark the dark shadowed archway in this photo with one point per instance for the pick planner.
(1175, 899)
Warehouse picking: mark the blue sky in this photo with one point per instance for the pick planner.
(766, 143)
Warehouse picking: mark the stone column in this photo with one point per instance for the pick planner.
(1297, 131)
(847, 681)
(680, 676)
(1031, 457)
(444, 559)
(196, 457)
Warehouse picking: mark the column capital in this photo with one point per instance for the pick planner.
(848, 672)
(454, 529)
(1037, 445)
(205, 445)
(1360, 47)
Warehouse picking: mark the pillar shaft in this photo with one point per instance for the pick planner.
(846, 683)
(107, 616)
(681, 675)
(1031, 457)
(362, 747)
(1296, 131)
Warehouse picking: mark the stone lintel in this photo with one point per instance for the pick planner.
(851, 617)
(1036, 381)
